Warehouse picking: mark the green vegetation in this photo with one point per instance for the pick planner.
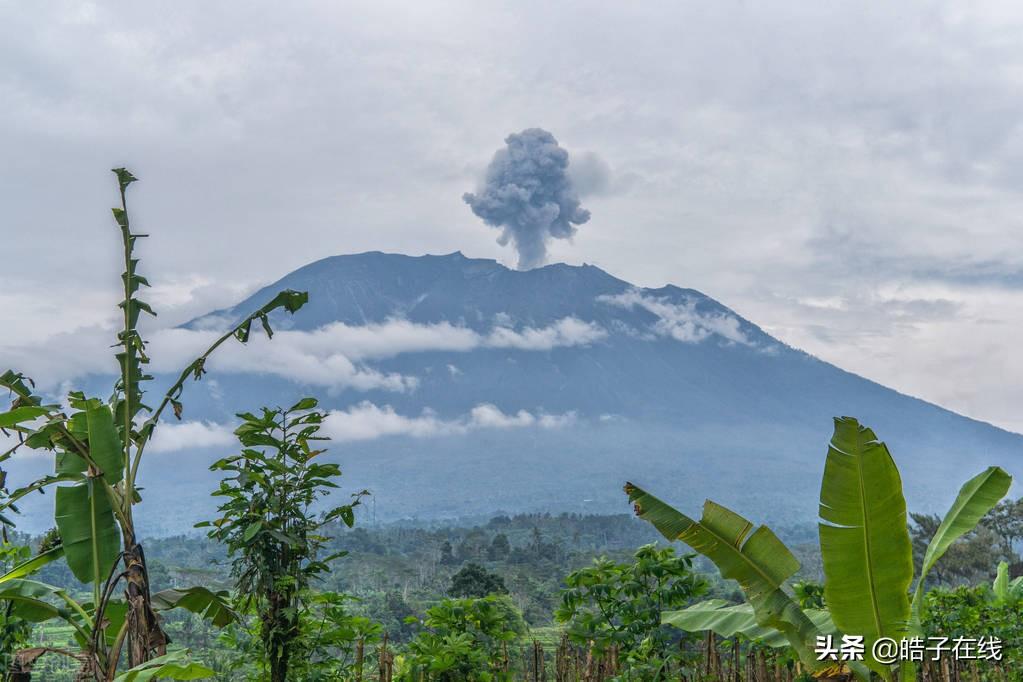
(865, 547)
(394, 572)
(463, 639)
(15, 631)
(98, 447)
(617, 609)
(268, 527)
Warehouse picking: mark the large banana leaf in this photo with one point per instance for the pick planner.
(21, 414)
(35, 601)
(172, 666)
(212, 606)
(91, 540)
(38, 602)
(105, 443)
(757, 560)
(976, 498)
(728, 620)
(34, 564)
(95, 424)
(865, 545)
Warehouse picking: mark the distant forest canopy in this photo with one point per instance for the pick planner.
(411, 563)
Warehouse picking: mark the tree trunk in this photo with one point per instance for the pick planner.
(360, 653)
(146, 639)
(277, 636)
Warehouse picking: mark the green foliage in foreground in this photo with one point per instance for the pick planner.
(464, 639)
(332, 643)
(865, 546)
(619, 607)
(15, 631)
(268, 526)
(385, 559)
(97, 447)
(972, 612)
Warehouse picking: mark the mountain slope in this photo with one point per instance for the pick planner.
(460, 387)
(670, 387)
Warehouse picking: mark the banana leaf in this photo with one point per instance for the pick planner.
(38, 602)
(32, 565)
(757, 560)
(212, 606)
(95, 425)
(91, 540)
(172, 666)
(728, 620)
(976, 498)
(865, 544)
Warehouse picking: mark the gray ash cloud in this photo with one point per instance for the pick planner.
(528, 194)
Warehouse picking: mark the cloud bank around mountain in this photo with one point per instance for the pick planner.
(681, 321)
(367, 421)
(337, 356)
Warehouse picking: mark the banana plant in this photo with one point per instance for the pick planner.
(38, 602)
(98, 448)
(865, 547)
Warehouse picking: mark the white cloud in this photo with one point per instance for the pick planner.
(681, 321)
(299, 356)
(568, 331)
(334, 356)
(367, 421)
(171, 436)
(397, 336)
(489, 417)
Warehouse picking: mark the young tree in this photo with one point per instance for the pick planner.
(1006, 520)
(465, 639)
(472, 580)
(98, 447)
(268, 524)
(609, 605)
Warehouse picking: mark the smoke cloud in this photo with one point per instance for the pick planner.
(528, 194)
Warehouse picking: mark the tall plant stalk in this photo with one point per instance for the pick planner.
(98, 450)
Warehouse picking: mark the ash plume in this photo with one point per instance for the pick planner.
(528, 194)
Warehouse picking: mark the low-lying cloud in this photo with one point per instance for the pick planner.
(335, 356)
(568, 331)
(681, 321)
(368, 421)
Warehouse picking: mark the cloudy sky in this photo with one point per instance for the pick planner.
(846, 175)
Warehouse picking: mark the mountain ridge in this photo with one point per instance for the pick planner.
(295, 278)
(458, 387)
